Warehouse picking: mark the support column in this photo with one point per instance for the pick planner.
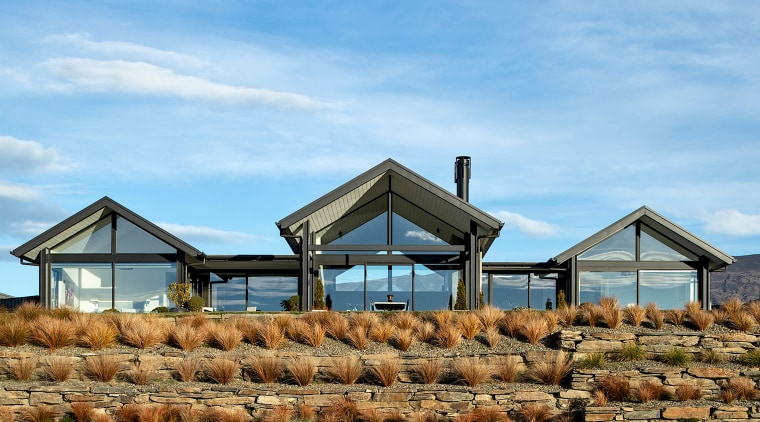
(472, 272)
(305, 279)
(571, 282)
(704, 282)
(44, 276)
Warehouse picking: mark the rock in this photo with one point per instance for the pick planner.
(642, 414)
(686, 412)
(533, 396)
(712, 373)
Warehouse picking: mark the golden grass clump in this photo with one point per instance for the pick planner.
(535, 412)
(551, 371)
(471, 371)
(336, 325)
(222, 370)
(357, 337)
(82, 411)
(279, 413)
(98, 334)
(634, 314)
(675, 316)
(345, 369)
(271, 334)
(23, 368)
(425, 331)
(447, 336)
(250, 329)
(225, 335)
(342, 409)
(103, 367)
(720, 315)
(14, 332)
(302, 370)
(535, 328)
(567, 315)
(732, 305)
(386, 371)
(648, 391)
(613, 317)
(469, 324)
(513, 322)
(266, 368)
(429, 370)
(53, 333)
(685, 392)
(490, 316)
(593, 314)
(382, 331)
(141, 331)
(655, 315)
(187, 337)
(187, 369)
(29, 311)
(405, 320)
(142, 373)
(506, 368)
(364, 320)
(41, 413)
(739, 389)
(442, 317)
(58, 368)
(701, 319)
(403, 339)
(492, 336)
(743, 321)
(753, 308)
(615, 387)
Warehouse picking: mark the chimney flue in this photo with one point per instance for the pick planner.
(462, 177)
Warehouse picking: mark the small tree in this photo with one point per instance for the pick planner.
(319, 294)
(180, 293)
(461, 303)
(561, 300)
(291, 304)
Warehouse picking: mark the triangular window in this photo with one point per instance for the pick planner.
(653, 249)
(132, 239)
(94, 239)
(619, 247)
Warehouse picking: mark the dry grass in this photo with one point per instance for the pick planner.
(612, 317)
(492, 336)
(279, 414)
(490, 316)
(142, 373)
(635, 315)
(743, 321)
(471, 371)
(357, 337)
(648, 391)
(98, 334)
(442, 317)
(386, 371)
(447, 336)
(103, 367)
(594, 314)
(7, 414)
(655, 315)
(382, 331)
(685, 392)
(266, 368)
(429, 370)
(250, 329)
(222, 370)
(187, 369)
(507, 368)
(552, 371)
(14, 332)
(701, 319)
(425, 331)
(753, 308)
(534, 329)
(23, 368)
(53, 333)
(336, 325)
(271, 334)
(481, 414)
(567, 315)
(693, 306)
(38, 414)
(141, 331)
(675, 316)
(302, 370)
(187, 337)
(364, 320)
(345, 369)
(306, 412)
(513, 321)
(600, 399)
(535, 412)
(403, 339)
(128, 413)
(739, 389)
(221, 414)
(405, 320)
(721, 316)
(58, 368)
(615, 387)
(225, 336)
(29, 311)
(732, 305)
(82, 411)
(470, 324)
(343, 409)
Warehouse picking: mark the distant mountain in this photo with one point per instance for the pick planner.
(741, 279)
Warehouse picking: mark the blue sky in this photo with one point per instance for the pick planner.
(216, 119)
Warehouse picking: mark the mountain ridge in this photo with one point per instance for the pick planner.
(741, 279)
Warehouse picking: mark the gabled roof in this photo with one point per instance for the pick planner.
(91, 215)
(718, 259)
(390, 176)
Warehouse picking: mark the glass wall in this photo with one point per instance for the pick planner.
(434, 287)
(543, 291)
(132, 239)
(86, 287)
(619, 247)
(668, 289)
(93, 239)
(521, 290)
(597, 284)
(143, 287)
(228, 294)
(267, 292)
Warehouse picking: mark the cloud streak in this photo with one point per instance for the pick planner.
(203, 234)
(526, 225)
(141, 78)
(732, 222)
(29, 157)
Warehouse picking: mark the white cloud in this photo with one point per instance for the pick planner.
(28, 157)
(18, 192)
(526, 225)
(203, 234)
(144, 78)
(732, 222)
(30, 228)
(422, 235)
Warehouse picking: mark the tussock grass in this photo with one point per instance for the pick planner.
(58, 368)
(551, 371)
(720, 315)
(513, 322)
(405, 320)
(225, 336)
(222, 370)
(676, 356)
(279, 414)
(739, 389)
(357, 337)
(711, 356)
(187, 369)
(442, 317)
(594, 314)
(429, 370)
(38, 414)
(751, 358)
(655, 315)
(403, 339)
(483, 414)
(469, 324)
(141, 331)
(615, 387)
(447, 336)
(506, 368)
(103, 367)
(753, 308)
(266, 368)
(675, 316)
(98, 334)
(386, 371)
(345, 369)
(648, 391)
(382, 331)
(142, 373)
(14, 332)
(336, 325)
(743, 321)
(342, 409)
(567, 315)
(535, 412)
(425, 331)
(271, 334)
(53, 333)
(364, 320)
(594, 360)
(630, 352)
(701, 319)
(489, 316)
(82, 411)
(471, 371)
(29, 311)
(635, 315)
(732, 305)
(685, 392)
(535, 328)
(23, 368)
(492, 336)
(250, 328)
(187, 337)
(302, 370)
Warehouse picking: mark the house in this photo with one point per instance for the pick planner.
(387, 234)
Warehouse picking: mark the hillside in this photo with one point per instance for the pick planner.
(741, 279)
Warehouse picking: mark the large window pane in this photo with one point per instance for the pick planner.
(86, 287)
(654, 250)
(228, 295)
(434, 287)
(345, 285)
(619, 247)
(132, 239)
(510, 290)
(93, 239)
(143, 287)
(597, 284)
(668, 289)
(266, 292)
(541, 291)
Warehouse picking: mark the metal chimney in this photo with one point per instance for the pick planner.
(462, 177)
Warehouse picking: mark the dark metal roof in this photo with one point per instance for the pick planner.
(88, 216)
(428, 198)
(718, 259)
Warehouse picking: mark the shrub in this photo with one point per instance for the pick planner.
(58, 368)
(103, 367)
(387, 371)
(345, 369)
(53, 333)
(686, 392)
(615, 387)
(14, 332)
(567, 315)
(634, 314)
(291, 304)
(382, 331)
(506, 368)
(404, 339)
(38, 414)
(266, 368)
(469, 324)
(142, 373)
(302, 370)
(535, 412)
(357, 337)
(160, 310)
(319, 295)
(592, 361)
(187, 368)
(534, 329)
(222, 370)
(630, 352)
(461, 302)
(447, 336)
(471, 371)
(675, 316)
(492, 336)
(676, 356)
(23, 368)
(551, 371)
(195, 304)
(654, 314)
(98, 335)
(429, 370)
(225, 335)
(180, 293)
(649, 390)
(701, 319)
(186, 337)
